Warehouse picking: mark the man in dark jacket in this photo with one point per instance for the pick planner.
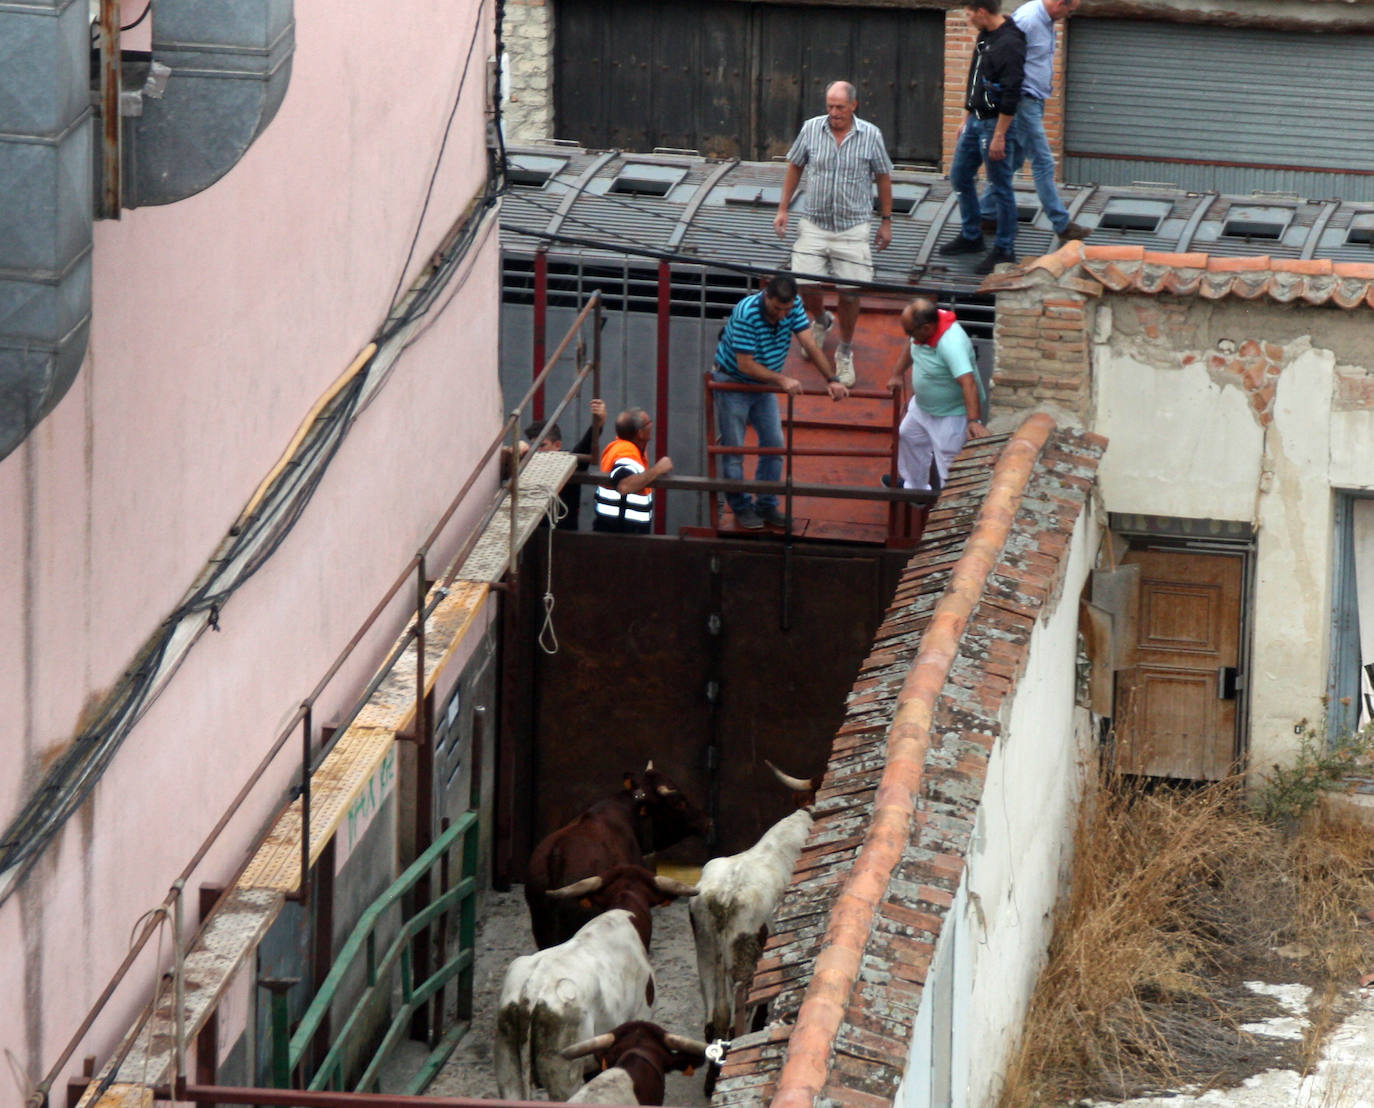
(994, 93)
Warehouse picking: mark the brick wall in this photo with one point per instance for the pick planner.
(1041, 339)
(959, 39)
(528, 107)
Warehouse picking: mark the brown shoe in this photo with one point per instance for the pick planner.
(1074, 231)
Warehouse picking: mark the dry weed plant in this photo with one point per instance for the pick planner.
(1178, 896)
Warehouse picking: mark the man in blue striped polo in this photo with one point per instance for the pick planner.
(844, 157)
(752, 351)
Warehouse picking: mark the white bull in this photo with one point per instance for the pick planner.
(731, 911)
(590, 984)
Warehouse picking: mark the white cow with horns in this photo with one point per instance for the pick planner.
(736, 899)
(597, 980)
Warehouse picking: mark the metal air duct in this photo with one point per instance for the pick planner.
(230, 66)
(45, 207)
(227, 68)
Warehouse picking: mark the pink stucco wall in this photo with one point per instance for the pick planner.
(218, 322)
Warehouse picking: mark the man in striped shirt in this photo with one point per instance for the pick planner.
(752, 351)
(844, 157)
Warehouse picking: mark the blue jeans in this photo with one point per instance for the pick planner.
(969, 154)
(734, 412)
(1028, 132)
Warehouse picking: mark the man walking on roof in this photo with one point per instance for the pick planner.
(993, 95)
(1037, 19)
(844, 157)
(947, 398)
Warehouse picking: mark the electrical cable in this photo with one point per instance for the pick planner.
(439, 158)
(250, 544)
(147, 10)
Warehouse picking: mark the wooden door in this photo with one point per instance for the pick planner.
(1176, 700)
(736, 80)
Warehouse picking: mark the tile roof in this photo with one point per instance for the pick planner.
(1134, 269)
(845, 967)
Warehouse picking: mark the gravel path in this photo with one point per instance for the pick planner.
(503, 933)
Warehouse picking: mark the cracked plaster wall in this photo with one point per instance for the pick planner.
(1252, 412)
(994, 940)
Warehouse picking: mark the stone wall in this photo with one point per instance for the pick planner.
(527, 72)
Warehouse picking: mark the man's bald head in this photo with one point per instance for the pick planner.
(919, 316)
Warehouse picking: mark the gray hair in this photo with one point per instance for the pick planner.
(849, 90)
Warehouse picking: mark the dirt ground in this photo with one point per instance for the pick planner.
(503, 934)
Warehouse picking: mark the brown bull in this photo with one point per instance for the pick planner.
(649, 814)
(637, 1054)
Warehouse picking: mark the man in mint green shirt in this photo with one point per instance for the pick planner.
(947, 398)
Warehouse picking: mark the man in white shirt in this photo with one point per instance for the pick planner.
(1037, 19)
(844, 157)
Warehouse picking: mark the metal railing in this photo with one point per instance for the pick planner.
(901, 521)
(426, 600)
(290, 1050)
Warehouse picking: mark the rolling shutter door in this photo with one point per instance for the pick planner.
(1269, 110)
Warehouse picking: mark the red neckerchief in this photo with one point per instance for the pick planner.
(947, 320)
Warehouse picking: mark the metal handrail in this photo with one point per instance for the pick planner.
(363, 943)
(303, 715)
(789, 450)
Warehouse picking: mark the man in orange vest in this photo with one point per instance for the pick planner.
(627, 505)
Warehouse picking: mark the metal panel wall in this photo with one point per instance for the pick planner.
(736, 80)
(1165, 102)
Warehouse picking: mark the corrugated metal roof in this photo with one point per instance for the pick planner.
(696, 221)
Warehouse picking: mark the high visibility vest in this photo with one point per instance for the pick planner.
(634, 511)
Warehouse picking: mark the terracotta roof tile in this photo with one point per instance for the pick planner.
(852, 1047)
(1091, 269)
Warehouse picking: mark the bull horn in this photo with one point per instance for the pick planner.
(674, 886)
(590, 1046)
(650, 767)
(577, 888)
(687, 1046)
(796, 784)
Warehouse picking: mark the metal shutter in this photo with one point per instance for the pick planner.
(1280, 111)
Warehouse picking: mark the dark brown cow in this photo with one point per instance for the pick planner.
(639, 1051)
(650, 813)
(636, 889)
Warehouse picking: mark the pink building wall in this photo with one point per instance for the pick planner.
(217, 323)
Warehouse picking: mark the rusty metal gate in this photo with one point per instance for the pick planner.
(675, 651)
(733, 79)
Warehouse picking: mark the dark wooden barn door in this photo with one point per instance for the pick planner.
(1176, 702)
(733, 79)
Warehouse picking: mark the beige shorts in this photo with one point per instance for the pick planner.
(844, 255)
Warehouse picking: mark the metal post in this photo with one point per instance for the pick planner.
(303, 889)
(665, 304)
(709, 438)
(785, 614)
(513, 492)
(541, 321)
(207, 1042)
(599, 322)
(111, 86)
(420, 1027)
(178, 983)
(281, 1028)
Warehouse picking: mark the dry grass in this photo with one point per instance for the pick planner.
(1178, 896)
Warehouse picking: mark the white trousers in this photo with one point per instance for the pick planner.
(923, 437)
